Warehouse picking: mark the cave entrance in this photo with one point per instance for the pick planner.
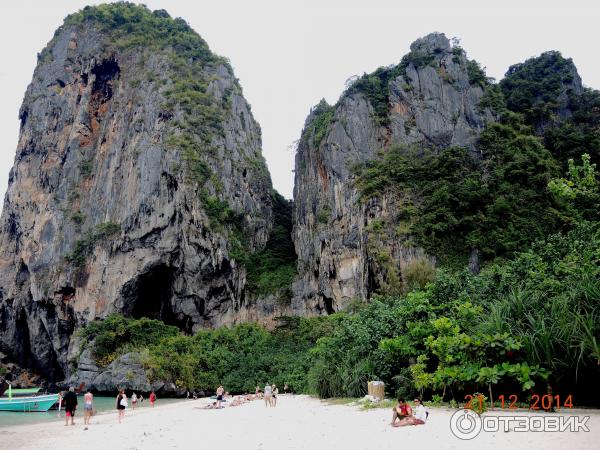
(151, 293)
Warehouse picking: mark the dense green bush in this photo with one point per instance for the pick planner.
(115, 334)
(240, 358)
(516, 326)
(476, 74)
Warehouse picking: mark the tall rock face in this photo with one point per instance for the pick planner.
(138, 185)
(430, 100)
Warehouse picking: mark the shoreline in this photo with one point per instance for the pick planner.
(298, 422)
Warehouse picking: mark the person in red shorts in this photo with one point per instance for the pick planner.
(70, 400)
(152, 398)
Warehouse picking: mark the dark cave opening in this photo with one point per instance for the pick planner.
(104, 73)
(23, 340)
(23, 117)
(150, 294)
(328, 302)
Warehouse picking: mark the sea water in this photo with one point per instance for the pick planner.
(102, 405)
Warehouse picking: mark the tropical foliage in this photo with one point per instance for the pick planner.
(519, 327)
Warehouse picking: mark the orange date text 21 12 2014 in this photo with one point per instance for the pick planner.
(546, 401)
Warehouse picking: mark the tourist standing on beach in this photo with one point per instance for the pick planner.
(70, 400)
(152, 398)
(134, 401)
(268, 393)
(220, 391)
(88, 407)
(275, 393)
(121, 404)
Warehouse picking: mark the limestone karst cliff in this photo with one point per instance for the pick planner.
(429, 163)
(138, 187)
(431, 98)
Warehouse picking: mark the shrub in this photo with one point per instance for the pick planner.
(84, 246)
(417, 273)
(476, 74)
(322, 119)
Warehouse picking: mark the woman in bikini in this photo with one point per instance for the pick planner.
(88, 407)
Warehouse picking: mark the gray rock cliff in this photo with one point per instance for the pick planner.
(138, 178)
(430, 99)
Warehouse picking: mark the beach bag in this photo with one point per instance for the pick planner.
(123, 402)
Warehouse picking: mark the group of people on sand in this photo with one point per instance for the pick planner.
(269, 395)
(403, 414)
(69, 402)
(123, 404)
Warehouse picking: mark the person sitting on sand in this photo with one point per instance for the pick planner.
(419, 417)
(268, 393)
(212, 405)
(238, 400)
(220, 391)
(401, 411)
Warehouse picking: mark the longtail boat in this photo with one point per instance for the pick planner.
(40, 403)
(28, 404)
(25, 392)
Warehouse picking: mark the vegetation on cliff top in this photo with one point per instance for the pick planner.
(376, 88)
(543, 89)
(537, 88)
(132, 25)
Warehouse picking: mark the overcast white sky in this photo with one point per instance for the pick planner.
(289, 55)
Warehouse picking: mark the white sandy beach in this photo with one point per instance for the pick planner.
(297, 422)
